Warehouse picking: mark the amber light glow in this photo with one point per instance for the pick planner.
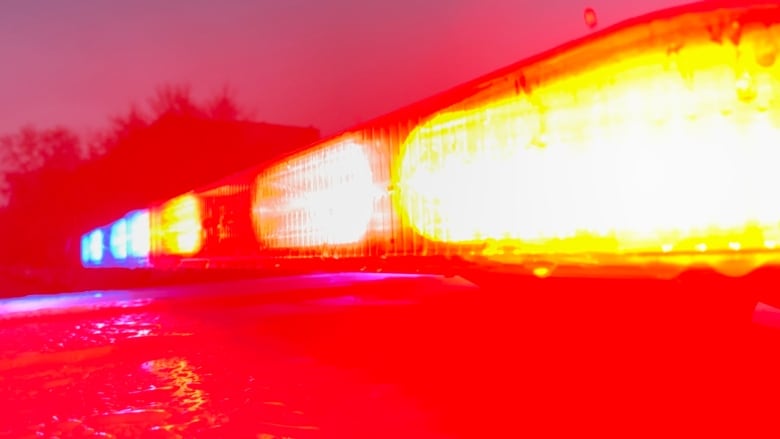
(178, 226)
(659, 138)
(324, 197)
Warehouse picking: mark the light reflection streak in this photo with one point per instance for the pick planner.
(182, 376)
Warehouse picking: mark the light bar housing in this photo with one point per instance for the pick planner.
(648, 147)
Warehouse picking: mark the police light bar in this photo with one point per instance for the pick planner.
(650, 145)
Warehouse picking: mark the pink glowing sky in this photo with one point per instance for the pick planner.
(327, 63)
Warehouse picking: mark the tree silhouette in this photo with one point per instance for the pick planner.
(58, 185)
(40, 166)
(223, 107)
(125, 125)
(174, 100)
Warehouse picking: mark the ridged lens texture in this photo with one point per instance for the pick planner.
(663, 137)
(324, 197)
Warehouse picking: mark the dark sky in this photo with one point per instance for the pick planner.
(327, 63)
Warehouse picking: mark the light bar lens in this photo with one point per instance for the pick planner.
(324, 197)
(86, 256)
(92, 248)
(659, 138)
(139, 234)
(178, 227)
(118, 240)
